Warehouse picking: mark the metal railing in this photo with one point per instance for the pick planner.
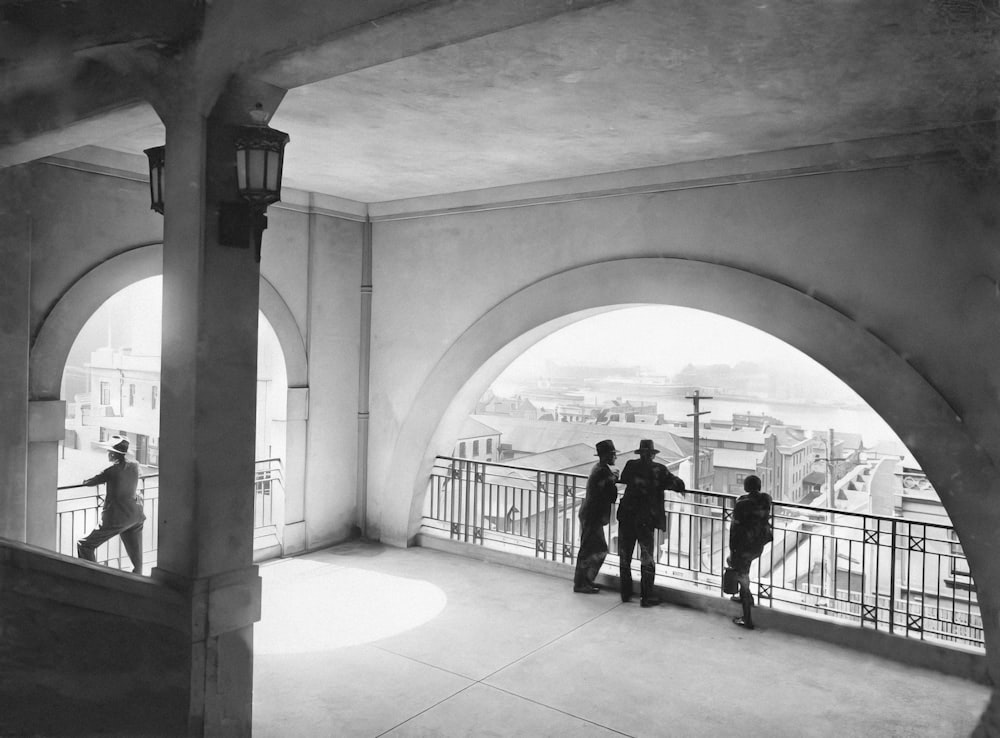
(901, 576)
(78, 511)
(268, 482)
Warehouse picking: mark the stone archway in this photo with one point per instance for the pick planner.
(54, 341)
(957, 466)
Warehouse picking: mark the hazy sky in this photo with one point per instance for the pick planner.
(660, 338)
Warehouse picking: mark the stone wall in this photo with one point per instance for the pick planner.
(86, 650)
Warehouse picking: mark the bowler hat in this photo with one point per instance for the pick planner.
(646, 444)
(118, 444)
(605, 447)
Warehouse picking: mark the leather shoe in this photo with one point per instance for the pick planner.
(650, 602)
(587, 589)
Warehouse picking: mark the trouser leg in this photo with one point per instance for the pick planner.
(132, 540)
(626, 545)
(746, 599)
(593, 551)
(86, 547)
(647, 563)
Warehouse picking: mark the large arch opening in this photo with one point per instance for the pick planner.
(721, 401)
(111, 387)
(915, 411)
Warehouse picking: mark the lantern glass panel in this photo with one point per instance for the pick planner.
(241, 169)
(256, 162)
(273, 171)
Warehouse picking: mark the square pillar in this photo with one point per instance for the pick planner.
(46, 428)
(297, 416)
(208, 414)
(15, 317)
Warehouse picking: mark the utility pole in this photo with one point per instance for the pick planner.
(831, 497)
(831, 503)
(697, 398)
(696, 538)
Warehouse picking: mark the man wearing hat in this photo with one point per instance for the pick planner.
(595, 513)
(122, 514)
(640, 512)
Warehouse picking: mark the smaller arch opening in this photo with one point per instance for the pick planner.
(111, 387)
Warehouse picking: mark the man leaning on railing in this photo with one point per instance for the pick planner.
(595, 513)
(640, 512)
(122, 514)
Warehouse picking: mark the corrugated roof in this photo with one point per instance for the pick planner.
(568, 459)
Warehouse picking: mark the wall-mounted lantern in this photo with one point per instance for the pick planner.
(156, 156)
(260, 154)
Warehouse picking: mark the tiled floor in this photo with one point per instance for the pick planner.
(365, 640)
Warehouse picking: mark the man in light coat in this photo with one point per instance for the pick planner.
(122, 514)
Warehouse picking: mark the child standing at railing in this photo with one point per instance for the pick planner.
(749, 533)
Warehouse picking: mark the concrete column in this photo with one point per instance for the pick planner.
(46, 428)
(15, 315)
(364, 368)
(297, 417)
(207, 419)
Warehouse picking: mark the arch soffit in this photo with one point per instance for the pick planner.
(918, 413)
(65, 321)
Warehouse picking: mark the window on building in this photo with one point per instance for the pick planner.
(489, 445)
(131, 395)
(103, 435)
(475, 449)
(956, 547)
(105, 393)
(156, 395)
(461, 450)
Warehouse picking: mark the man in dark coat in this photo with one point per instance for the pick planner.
(122, 514)
(595, 513)
(641, 511)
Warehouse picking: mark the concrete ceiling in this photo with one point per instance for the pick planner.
(613, 86)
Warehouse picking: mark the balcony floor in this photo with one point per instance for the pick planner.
(366, 640)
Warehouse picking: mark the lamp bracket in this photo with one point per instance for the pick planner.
(241, 224)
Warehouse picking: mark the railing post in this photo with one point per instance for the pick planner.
(539, 539)
(468, 493)
(554, 531)
(892, 582)
(477, 508)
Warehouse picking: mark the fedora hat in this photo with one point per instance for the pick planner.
(646, 444)
(605, 447)
(118, 444)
